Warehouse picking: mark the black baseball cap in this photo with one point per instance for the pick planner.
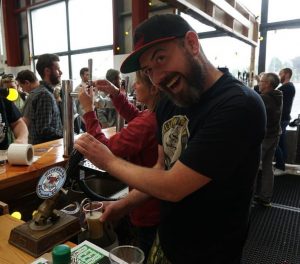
(158, 28)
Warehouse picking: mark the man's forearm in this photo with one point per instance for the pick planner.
(150, 181)
(20, 131)
(133, 199)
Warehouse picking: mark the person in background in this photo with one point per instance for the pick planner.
(11, 118)
(9, 81)
(106, 112)
(79, 121)
(257, 78)
(273, 102)
(210, 130)
(136, 143)
(288, 91)
(28, 82)
(42, 113)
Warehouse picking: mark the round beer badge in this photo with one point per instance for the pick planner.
(51, 182)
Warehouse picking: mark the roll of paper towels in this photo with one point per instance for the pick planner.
(20, 154)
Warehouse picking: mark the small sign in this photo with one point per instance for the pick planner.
(51, 182)
(88, 253)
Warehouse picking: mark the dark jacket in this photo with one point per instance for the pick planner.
(288, 91)
(273, 104)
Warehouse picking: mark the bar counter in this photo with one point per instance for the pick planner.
(18, 183)
(10, 254)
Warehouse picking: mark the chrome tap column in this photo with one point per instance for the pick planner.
(68, 116)
(120, 122)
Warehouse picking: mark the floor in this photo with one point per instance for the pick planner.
(274, 235)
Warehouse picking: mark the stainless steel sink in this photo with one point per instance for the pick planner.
(105, 187)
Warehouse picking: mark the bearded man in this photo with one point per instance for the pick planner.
(42, 111)
(210, 131)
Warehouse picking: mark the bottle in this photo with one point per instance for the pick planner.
(61, 254)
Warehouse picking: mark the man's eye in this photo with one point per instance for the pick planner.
(160, 59)
(147, 71)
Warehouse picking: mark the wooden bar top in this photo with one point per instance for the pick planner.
(10, 254)
(49, 154)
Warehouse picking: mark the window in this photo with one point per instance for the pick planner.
(90, 23)
(283, 10)
(102, 61)
(282, 52)
(76, 30)
(49, 29)
(227, 52)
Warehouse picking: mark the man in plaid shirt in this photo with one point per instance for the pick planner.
(41, 109)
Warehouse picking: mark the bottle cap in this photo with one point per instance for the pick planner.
(61, 254)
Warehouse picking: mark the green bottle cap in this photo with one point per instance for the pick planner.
(61, 254)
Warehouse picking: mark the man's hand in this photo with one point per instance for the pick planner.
(86, 99)
(107, 87)
(113, 211)
(94, 151)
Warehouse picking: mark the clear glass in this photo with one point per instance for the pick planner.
(91, 23)
(102, 61)
(93, 211)
(127, 253)
(282, 47)
(283, 10)
(49, 29)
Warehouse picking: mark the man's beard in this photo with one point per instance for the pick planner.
(54, 79)
(190, 95)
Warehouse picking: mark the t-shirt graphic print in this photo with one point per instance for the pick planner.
(175, 134)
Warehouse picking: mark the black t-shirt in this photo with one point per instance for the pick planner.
(288, 92)
(219, 137)
(9, 113)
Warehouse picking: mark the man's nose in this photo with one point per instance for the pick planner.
(156, 77)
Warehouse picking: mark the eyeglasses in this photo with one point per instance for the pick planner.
(7, 77)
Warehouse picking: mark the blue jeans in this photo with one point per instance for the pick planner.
(281, 151)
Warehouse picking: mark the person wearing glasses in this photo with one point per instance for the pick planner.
(12, 125)
(9, 81)
(210, 130)
(273, 102)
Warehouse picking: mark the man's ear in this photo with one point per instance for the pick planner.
(191, 42)
(154, 90)
(47, 71)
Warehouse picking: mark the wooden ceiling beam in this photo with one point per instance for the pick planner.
(228, 16)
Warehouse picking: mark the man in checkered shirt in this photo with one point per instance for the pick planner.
(41, 109)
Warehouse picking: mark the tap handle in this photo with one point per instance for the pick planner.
(72, 163)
